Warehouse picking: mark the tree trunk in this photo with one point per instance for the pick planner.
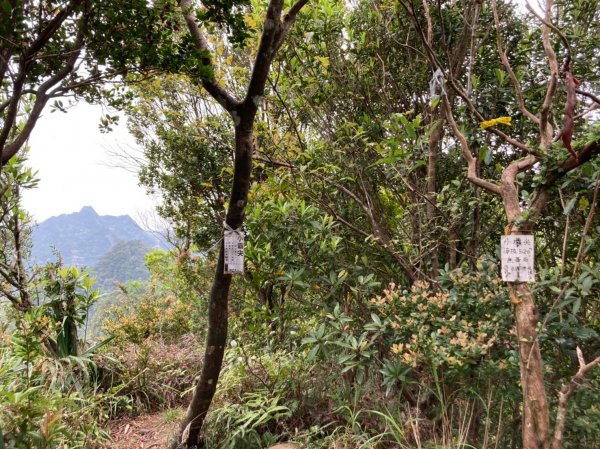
(243, 114)
(536, 421)
(218, 301)
(432, 158)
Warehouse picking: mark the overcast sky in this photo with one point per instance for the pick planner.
(73, 160)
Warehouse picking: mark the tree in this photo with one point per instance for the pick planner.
(70, 48)
(40, 46)
(14, 234)
(243, 114)
(523, 156)
(187, 149)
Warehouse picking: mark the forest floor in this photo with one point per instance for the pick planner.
(151, 431)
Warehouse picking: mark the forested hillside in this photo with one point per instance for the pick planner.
(83, 238)
(384, 217)
(126, 261)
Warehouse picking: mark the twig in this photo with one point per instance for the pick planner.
(589, 95)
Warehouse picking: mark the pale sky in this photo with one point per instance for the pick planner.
(73, 161)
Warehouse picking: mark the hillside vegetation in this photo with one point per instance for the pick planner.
(413, 187)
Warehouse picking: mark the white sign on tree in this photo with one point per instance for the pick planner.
(233, 241)
(517, 257)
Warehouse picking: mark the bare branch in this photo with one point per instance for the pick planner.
(545, 127)
(509, 70)
(466, 152)
(492, 130)
(224, 98)
(565, 395)
(589, 95)
(510, 195)
(552, 27)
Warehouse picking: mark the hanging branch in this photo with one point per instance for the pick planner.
(467, 154)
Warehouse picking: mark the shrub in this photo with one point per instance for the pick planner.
(134, 320)
(153, 374)
(46, 402)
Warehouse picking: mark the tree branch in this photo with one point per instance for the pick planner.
(288, 22)
(466, 152)
(588, 152)
(509, 70)
(510, 196)
(224, 98)
(11, 148)
(565, 395)
(379, 236)
(545, 127)
(266, 52)
(589, 95)
(459, 90)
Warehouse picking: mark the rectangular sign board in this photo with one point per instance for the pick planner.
(517, 258)
(233, 242)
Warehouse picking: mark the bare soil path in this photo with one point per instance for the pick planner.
(145, 431)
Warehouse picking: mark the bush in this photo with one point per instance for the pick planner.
(134, 320)
(47, 402)
(265, 398)
(153, 374)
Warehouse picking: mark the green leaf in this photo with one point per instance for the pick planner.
(485, 155)
(576, 306)
(586, 285)
(376, 319)
(97, 346)
(434, 102)
(324, 61)
(585, 333)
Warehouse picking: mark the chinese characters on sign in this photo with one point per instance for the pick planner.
(517, 252)
(233, 241)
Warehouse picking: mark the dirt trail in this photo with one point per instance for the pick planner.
(153, 431)
(144, 432)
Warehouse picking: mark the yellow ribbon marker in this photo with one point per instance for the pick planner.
(495, 121)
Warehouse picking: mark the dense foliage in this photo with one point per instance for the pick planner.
(371, 313)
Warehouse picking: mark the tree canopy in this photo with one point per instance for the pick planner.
(373, 154)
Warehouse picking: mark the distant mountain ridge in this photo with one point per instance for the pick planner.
(83, 238)
(126, 261)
